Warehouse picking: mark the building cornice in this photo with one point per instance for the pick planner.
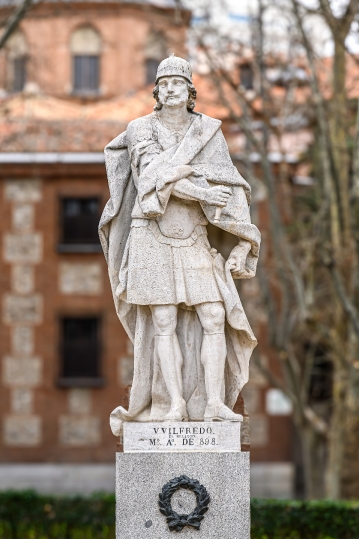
(20, 158)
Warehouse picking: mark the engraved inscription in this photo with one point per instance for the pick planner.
(181, 436)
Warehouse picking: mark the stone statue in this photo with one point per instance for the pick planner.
(169, 175)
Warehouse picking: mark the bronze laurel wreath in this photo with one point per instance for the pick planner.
(175, 521)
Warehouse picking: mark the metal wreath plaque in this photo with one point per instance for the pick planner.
(175, 521)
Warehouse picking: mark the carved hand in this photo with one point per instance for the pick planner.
(237, 258)
(218, 195)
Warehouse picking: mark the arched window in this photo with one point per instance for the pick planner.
(17, 59)
(85, 50)
(155, 52)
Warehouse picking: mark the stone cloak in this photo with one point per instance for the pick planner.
(205, 149)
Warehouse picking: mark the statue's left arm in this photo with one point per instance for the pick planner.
(213, 170)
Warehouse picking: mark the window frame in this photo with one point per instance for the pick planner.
(86, 91)
(80, 247)
(24, 60)
(80, 381)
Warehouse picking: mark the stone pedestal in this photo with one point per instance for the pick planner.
(207, 452)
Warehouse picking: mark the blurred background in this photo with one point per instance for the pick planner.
(283, 76)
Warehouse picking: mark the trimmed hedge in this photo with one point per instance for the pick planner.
(277, 519)
(27, 515)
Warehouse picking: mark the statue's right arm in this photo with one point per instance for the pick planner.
(216, 196)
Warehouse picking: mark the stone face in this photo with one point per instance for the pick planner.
(79, 431)
(23, 190)
(23, 217)
(22, 372)
(23, 279)
(22, 400)
(182, 436)
(18, 309)
(141, 476)
(23, 248)
(84, 278)
(79, 401)
(22, 340)
(22, 431)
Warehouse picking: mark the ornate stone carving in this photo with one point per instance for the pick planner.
(170, 174)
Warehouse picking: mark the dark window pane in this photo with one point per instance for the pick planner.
(19, 66)
(86, 73)
(246, 76)
(80, 347)
(151, 70)
(80, 218)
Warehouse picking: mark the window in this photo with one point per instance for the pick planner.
(246, 76)
(155, 51)
(17, 62)
(80, 352)
(79, 223)
(19, 69)
(85, 49)
(86, 73)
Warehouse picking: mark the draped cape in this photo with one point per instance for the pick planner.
(205, 150)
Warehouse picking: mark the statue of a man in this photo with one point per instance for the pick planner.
(170, 174)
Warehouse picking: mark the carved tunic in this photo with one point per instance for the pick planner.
(169, 256)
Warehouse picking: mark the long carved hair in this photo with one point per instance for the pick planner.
(191, 103)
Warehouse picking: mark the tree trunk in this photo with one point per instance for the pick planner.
(336, 435)
(313, 452)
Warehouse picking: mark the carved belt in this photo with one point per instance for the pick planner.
(152, 225)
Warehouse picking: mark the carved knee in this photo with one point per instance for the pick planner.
(164, 319)
(212, 318)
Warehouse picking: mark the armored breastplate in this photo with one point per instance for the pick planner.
(180, 218)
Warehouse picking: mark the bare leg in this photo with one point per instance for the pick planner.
(213, 357)
(171, 361)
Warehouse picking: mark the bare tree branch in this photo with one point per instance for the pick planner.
(347, 305)
(14, 20)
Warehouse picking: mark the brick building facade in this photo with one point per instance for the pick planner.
(72, 77)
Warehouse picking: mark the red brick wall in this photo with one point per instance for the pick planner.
(123, 29)
(51, 402)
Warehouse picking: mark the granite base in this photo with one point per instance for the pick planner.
(141, 476)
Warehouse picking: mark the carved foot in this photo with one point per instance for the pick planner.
(220, 412)
(177, 413)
